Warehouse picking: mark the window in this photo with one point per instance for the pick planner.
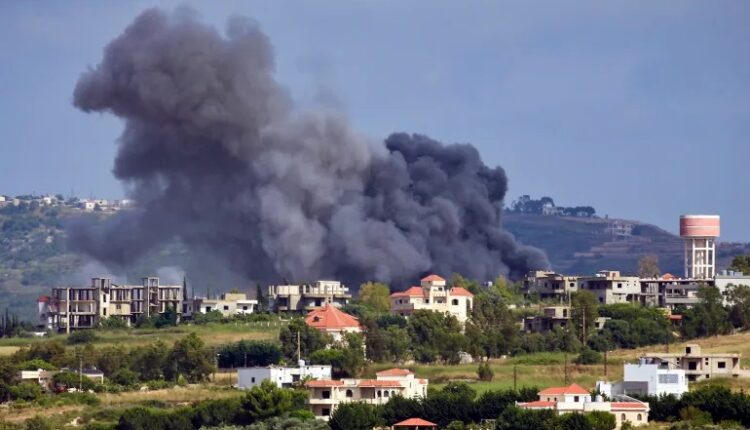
(455, 302)
(687, 350)
(105, 311)
(622, 418)
(118, 307)
(639, 417)
(252, 379)
(244, 308)
(619, 285)
(576, 399)
(668, 379)
(208, 308)
(326, 394)
(226, 307)
(380, 393)
(386, 393)
(349, 393)
(326, 412)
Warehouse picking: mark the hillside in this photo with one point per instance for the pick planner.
(586, 245)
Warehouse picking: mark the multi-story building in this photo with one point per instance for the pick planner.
(550, 285)
(228, 304)
(433, 295)
(333, 322)
(551, 318)
(283, 377)
(610, 287)
(325, 394)
(72, 308)
(647, 379)
(668, 291)
(306, 297)
(698, 365)
(576, 399)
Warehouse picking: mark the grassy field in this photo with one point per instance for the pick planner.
(213, 334)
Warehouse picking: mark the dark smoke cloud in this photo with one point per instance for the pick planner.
(217, 157)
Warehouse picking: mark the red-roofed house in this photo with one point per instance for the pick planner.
(414, 424)
(329, 319)
(434, 295)
(326, 395)
(575, 398)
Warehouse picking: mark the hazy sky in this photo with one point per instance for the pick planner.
(640, 109)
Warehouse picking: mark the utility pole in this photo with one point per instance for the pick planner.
(583, 329)
(515, 378)
(80, 371)
(605, 364)
(566, 367)
(299, 349)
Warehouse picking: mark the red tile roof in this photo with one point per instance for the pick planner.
(558, 391)
(537, 404)
(675, 317)
(323, 383)
(411, 292)
(458, 291)
(668, 276)
(330, 318)
(378, 384)
(394, 372)
(43, 299)
(415, 422)
(629, 405)
(433, 278)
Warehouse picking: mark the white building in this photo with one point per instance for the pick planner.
(326, 395)
(283, 377)
(228, 304)
(647, 378)
(550, 285)
(576, 399)
(610, 287)
(433, 295)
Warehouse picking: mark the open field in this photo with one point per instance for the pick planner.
(213, 334)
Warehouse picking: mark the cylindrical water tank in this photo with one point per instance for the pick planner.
(699, 225)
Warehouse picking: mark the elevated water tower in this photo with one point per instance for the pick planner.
(699, 232)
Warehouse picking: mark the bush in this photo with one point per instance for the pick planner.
(38, 423)
(66, 380)
(485, 372)
(28, 391)
(113, 323)
(81, 336)
(124, 377)
(588, 356)
(36, 364)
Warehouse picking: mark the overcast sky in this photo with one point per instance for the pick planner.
(640, 109)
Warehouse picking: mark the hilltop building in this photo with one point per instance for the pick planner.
(647, 379)
(550, 285)
(575, 399)
(332, 321)
(326, 395)
(73, 308)
(610, 287)
(433, 295)
(306, 297)
(697, 365)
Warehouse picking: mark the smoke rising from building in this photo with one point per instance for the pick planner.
(217, 157)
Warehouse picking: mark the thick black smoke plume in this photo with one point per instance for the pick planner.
(216, 157)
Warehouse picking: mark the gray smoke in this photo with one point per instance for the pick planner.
(217, 158)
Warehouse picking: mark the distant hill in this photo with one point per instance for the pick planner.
(577, 245)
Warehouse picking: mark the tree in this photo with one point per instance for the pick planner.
(454, 402)
(741, 263)
(588, 356)
(485, 372)
(355, 416)
(708, 317)
(601, 420)
(249, 353)
(739, 297)
(584, 311)
(283, 423)
(400, 408)
(575, 422)
(38, 423)
(492, 329)
(261, 298)
(124, 377)
(267, 400)
(376, 296)
(648, 266)
(150, 362)
(514, 418)
(190, 358)
(434, 335)
(457, 280)
(166, 319)
(311, 339)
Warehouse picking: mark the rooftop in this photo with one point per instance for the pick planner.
(558, 391)
(330, 318)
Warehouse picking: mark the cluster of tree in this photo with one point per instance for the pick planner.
(187, 360)
(741, 263)
(703, 405)
(249, 353)
(717, 314)
(11, 326)
(525, 204)
(455, 406)
(631, 326)
(345, 357)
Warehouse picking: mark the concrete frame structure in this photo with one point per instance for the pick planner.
(433, 295)
(550, 285)
(611, 287)
(551, 318)
(306, 297)
(699, 232)
(326, 395)
(576, 399)
(72, 308)
(697, 365)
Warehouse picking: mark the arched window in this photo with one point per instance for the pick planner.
(349, 393)
(622, 418)
(639, 417)
(380, 393)
(386, 393)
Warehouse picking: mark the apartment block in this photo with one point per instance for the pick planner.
(434, 295)
(698, 365)
(550, 285)
(551, 318)
(609, 286)
(306, 297)
(325, 395)
(647, 379)
(81, 307)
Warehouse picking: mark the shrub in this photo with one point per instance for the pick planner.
(113, 323)
(38, 423)
(485, 372)
(124, 377)
(35, 364)
(25, 391)
(588, 356)
(65, 380)
(81, 336)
